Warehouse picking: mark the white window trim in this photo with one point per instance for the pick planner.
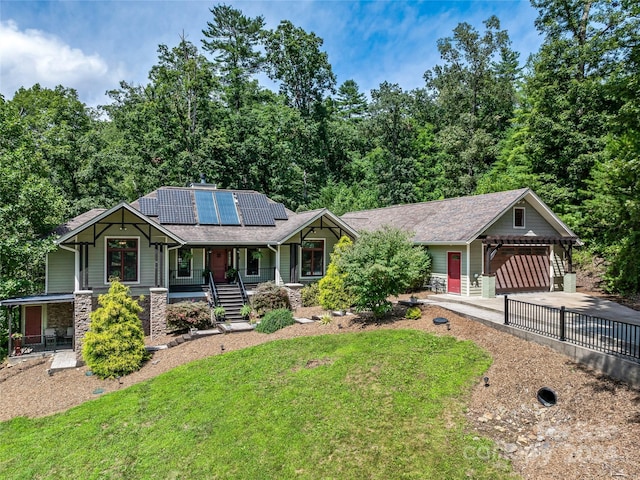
(106, 266)
(524, 218)
(178, 266)
(324, 257)
(246, 262)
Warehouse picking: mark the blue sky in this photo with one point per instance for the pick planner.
(93, 45)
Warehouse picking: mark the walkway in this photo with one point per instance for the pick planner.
(492, 309)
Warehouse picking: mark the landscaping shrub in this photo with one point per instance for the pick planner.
(268, 296)
(309, 294)
(186, 315)
(275, 320)
(114, 344)
(413, 313)
(333, 292)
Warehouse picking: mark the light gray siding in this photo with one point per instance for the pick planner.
(61, 271)
(534, 223)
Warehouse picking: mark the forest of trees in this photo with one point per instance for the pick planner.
(566, 124)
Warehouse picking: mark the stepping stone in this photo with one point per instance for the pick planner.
(303, 320)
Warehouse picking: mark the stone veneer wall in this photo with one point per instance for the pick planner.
(60, 315)
(295, 294)
(158, 311)
(145, 316)
(83, 305)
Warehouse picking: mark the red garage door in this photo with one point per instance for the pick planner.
(521, 269)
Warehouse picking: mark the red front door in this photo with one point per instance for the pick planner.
(33, 324)
(218, 264)
(453, 272)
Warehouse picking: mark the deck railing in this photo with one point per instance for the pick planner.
(198, 277)
(601, 334)
(260, 275)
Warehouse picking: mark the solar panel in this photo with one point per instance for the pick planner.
(175, 207)
(149, 206)
(255, 209)
(227, 208)
(278, 211)
(207, 214)
(257, 216)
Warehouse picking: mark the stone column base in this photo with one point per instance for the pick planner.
(158, 298)
(488, 286)
(82, 306)
(569, 283)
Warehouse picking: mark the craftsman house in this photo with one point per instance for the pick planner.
(192, 243)
(204, 243)
(490, 244)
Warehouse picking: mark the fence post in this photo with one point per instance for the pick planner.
(506, 310)
(562, 324)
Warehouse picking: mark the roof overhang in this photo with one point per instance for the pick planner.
(321, 213)
(38, 299)
(123, 205)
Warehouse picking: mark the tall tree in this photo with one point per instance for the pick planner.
(294, 59)
(234, 41)
(350, 101)
(570, 105)
(475, 94)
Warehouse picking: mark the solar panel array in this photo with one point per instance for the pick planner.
(227, 208)
(278, 211)
(149, 206)
(207, 213)
(206, 207)
(255, 209)
(175, 207)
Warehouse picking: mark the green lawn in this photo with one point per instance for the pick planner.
(383, 404)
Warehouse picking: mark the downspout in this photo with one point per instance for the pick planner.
(468, 269)
(277, 252)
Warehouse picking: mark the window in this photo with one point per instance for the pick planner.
(184, 260)
(253, 261)
(122, 259)
(313, 258)
(518, 217)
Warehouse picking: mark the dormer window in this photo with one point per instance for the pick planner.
(518, 217)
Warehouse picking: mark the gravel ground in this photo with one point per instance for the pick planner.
(592, 432)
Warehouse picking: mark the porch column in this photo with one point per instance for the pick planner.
(158, 311)
(82, 306)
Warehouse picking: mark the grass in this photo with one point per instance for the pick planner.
(374, 405)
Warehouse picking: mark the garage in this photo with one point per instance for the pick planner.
(521, 269)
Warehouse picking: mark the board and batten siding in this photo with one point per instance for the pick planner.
(534, 222)
(61, 271)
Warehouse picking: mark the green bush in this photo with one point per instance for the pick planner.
(268, 296)
(334, 294)
(186, 315)
(309, 294)
(114, 344)
(275, 320)
(413, 313)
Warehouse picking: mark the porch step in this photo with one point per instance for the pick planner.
(63, 360)
(235, 327)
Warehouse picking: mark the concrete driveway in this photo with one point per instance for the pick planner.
(577, 302)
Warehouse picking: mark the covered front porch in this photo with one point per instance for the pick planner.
(40, 324)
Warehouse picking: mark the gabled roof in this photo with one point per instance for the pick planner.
(184, 224)
(85, 220)
(455, 220)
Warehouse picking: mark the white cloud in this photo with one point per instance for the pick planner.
(33, 56)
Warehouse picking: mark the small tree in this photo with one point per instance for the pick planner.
(334, 294)
(381, 264)
(114, 344)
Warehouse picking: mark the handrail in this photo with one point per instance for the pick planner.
(213, 292)
(243, 290)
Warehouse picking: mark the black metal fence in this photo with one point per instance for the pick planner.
(600, 334)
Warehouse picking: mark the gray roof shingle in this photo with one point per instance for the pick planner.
(453, 220)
